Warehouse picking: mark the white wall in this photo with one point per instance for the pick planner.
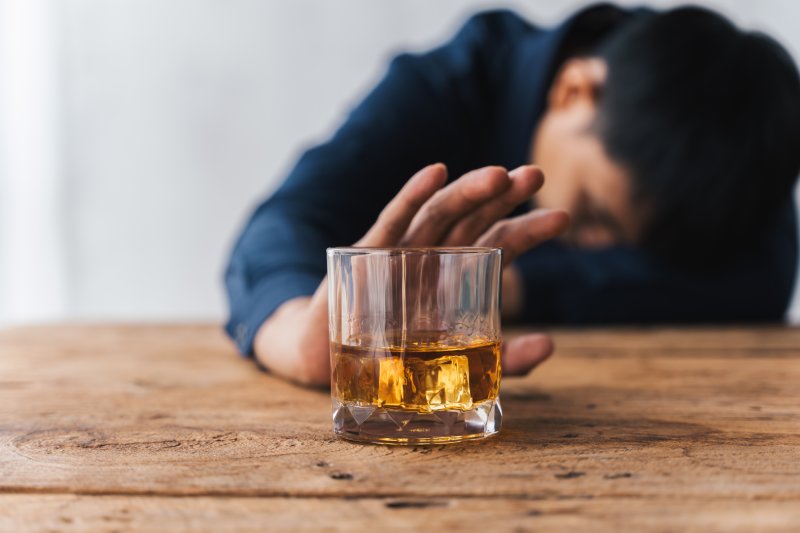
(137, 134)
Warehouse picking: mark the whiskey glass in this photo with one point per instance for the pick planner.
(415, 343)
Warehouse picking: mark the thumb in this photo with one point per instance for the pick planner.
(522, 354)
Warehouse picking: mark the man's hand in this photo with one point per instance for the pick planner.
(293, 342)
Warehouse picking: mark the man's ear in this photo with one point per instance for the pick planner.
(578, 82)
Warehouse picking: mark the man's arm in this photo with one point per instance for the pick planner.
(625, 285)
(428, 107)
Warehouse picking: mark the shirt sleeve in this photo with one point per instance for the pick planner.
(626, 285)
(426, 109)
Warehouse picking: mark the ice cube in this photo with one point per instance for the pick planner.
(354, 376)
(391, 381)
(438, 384)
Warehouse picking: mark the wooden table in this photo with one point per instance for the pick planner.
(164, 428)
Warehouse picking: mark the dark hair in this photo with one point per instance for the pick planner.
(706, 118)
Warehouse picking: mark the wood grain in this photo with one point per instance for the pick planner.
(70, 513)
(655, 428)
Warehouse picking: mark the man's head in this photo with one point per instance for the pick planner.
(679, 133)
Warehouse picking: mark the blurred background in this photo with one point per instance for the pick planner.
(137, 135)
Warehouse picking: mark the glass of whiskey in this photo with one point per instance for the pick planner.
(415, 343)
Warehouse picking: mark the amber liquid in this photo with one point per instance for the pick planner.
(420, 376)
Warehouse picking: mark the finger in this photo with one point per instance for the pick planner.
(398, 214)
(523, 354)
(525, 181)
(452, 203)
(518, 234)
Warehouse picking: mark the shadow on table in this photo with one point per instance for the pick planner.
(592, 414)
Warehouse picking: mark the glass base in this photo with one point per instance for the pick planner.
(367, 423)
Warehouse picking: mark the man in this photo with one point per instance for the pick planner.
(670, 139)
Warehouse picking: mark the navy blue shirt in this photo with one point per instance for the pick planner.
(472, 102)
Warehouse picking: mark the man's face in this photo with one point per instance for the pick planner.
(579, 176)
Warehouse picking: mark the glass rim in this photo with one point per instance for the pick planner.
(413, 250)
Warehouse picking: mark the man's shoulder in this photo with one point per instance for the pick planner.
(497, 26)
(503, 25)
(499, 20)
